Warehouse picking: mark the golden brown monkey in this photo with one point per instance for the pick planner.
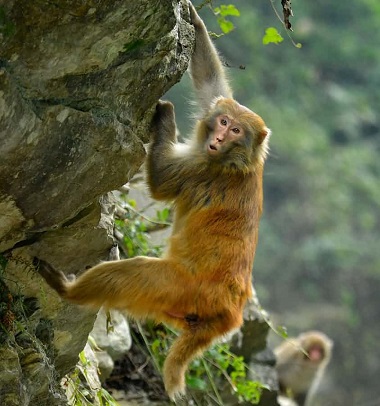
(301, 363)
(201, 284)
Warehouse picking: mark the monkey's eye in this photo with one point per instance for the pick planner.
(236, 130)
(223, 122)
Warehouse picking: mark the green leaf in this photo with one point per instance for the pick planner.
(156, 346)
(132, 203)
(225, 26)
(83, 358)
(229, 10)
(272, 36)
(282, 331)
(196, 383)
(250, 391)
(163, 215)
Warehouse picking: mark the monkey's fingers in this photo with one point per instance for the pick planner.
(195, 19)
(55, 279)
(163, 123)
(164, 109)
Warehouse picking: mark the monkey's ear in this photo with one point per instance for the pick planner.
(264, 133)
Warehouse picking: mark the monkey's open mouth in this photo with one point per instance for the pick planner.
(212, 149)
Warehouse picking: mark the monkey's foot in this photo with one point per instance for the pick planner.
(55, 279)
(174, 380)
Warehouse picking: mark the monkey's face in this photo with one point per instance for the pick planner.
(315, 353)
(233, 134)
(225, 133)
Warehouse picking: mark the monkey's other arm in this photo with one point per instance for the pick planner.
(167, 164)
(206, 69)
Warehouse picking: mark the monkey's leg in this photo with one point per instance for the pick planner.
(190, 344)
(143, 286)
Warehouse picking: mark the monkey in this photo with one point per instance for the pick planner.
(202, 282)
(301, 364)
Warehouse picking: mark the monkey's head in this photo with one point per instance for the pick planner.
(233, 136)
(317, 347)
(301, 362)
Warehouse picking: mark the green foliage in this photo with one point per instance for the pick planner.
(217, 368)
(272, 36)
(246, 390)
(134, 236)
(225, 11)
(135, 227)
(163, 215)
(82, 389)
(234, 370)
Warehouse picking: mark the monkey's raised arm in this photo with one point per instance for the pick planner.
(206, 69)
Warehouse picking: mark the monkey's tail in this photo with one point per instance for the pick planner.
(189, 345)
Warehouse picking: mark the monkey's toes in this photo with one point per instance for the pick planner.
(174, 384)
(43, 267)
(54, 278)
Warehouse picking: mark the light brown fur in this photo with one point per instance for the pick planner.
(301, 363)
(201, 284)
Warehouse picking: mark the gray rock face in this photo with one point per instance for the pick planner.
(78, 85)
(79, 81)
(113, 343)
(118, 340)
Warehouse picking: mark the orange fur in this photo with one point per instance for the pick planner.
(202, 283)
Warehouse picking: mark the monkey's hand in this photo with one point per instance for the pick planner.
(164, 168)
(55, 279)
(163, 125)
(195, 19)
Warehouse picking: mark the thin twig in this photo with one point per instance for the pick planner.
(210, 377)
(139, 214)
(282, 22)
